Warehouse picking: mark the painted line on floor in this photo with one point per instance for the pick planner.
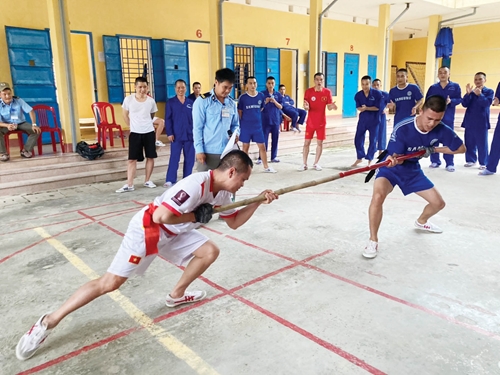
(168, 341)
(45, 225)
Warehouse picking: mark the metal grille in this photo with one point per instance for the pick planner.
(394, 69)
(243, 68)
(136, 62)
(417, 74)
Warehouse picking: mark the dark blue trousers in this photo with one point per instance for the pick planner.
(476, 140)
(359, 140)
(274, 130)
(494, 156)
(176, 147)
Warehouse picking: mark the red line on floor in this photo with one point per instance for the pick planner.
(261, 249)
(115, 213)
(86, 208)
(102, 224)
(45, 225)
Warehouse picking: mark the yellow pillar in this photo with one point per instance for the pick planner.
(383, 71)
(217, 51)
(430, 57)
(315, 9)
(60, 39)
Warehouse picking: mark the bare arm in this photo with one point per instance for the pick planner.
(163, 215)
(446, 150)
(126, 117)
(246, 213)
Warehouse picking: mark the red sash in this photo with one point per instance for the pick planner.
(151, 230)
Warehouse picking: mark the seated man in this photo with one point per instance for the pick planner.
(12, 118)
(297, 115)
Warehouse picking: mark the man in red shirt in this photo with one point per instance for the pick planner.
(315, 100)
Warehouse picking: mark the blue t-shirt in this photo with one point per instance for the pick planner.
(406, 138)
(271, 115)
(179, 119)
(477, 114)
(374, 99)
(288, 101)
(251, 107)
(451, 90)
(405, 99)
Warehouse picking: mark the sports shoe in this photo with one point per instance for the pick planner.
(258, 161)
(295, 130)
(168, 184)
(125, 188)
(188, 297)
(434, 165)
(450, 168)
(469, 164)
(270, 170)
(482, 167)
(429, 227)
(31, 340)
(26, 154)
(275, 160)
(486, 172)
(4, 157)
(371, 250)
(317, 167)
(149, 184)
(302, 168)
(159, 144)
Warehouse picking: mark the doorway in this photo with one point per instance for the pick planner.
(351, 77)
(289, 72)
(199, 69)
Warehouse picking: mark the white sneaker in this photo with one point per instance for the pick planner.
(149, 184)
(31, 340)
(159, 144)
(270, 170)
(469, 164)
(188, 297)
(371, 250)
(317, 167)
(258, 161)
(302, 168)
(125, 188)
(429, 227)
(168, 184)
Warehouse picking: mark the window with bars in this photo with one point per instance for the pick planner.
(136, 62)
(243, 68)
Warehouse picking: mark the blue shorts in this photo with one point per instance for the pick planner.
(409, 181)
(248, 135)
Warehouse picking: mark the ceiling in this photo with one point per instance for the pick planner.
(414, 22)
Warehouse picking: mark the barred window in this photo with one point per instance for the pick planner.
(243, 68)
(136, 62)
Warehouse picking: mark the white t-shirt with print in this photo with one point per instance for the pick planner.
(140, 114)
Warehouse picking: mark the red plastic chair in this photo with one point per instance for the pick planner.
(285, 126)
(47, 121)
(19, 139)
(100, 110)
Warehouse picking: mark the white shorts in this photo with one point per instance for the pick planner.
(131, 256)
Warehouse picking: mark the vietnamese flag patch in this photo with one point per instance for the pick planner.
(134, 259)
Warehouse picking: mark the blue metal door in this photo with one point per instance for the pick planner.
(176, 64)
(331, 72)
(158, 59)
(230, 61)
(30, 57)
(372, 66)
(113, 60)
(273, 65)
(351, 73)
(260, 57)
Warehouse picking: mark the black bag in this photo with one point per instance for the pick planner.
(91, 152)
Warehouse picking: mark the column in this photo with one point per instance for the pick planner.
(430, 58)
(217, 51)
(383, 70)
(315, 9)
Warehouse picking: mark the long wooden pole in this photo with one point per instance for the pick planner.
(320, 181)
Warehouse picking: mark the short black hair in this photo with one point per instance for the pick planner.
(180, 81)
(444, 67)
(376, 80)
(270, 78)
(250, 77)
(366, 77)
(141, 79)
(484, 74)
(281, 85)
(405, 71)
(196, 83)
(319, 74)
(225, 74)
(237, 159)
(435, 103)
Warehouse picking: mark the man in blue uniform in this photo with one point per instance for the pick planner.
(476, 122)
(196, 92)
(405, 98)
(451, 92)
(411, 135)
(214, 118)
(368, 103)
(297, 115)
(250, 106)
(271, 117)
(179, 120)
(494, 157)
(382, 127)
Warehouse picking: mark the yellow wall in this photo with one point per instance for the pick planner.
(287, 72)
(199, 66)
(410, 50)
(83, 76)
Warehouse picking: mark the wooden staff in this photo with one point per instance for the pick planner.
(320, 181)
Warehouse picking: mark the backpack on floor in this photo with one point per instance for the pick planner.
(91, 152)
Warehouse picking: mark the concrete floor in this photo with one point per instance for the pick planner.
(290, 293)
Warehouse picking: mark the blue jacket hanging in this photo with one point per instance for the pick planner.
(444, 43)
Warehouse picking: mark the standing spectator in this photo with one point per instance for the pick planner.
(382, 128)
(476, 122)
(316, 99)
(12, 118)
(297, 115)
(196, 92)
(494, 157)
(405, 98)
(138, 112)
(368, 103)
(451, 92)
(271, 117)
(250, 106)
(179, 115)
(214, 118)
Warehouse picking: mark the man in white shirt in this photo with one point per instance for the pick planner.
(138, 112)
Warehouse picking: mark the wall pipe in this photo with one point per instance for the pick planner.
(387, 33)
(320, 33)
(222, 47)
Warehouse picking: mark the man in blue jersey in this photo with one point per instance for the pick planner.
(410, 135)
(476, 122)
(368, 102)
(494, 156)
(196, 92)
(179, 119)
(405, 98)
(250, 106)
(382, 127)
(271, 117)
(451, 92)
(297, 115)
